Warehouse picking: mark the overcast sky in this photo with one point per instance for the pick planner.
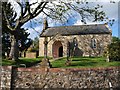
(111, 10)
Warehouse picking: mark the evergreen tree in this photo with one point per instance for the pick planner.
(23, 41)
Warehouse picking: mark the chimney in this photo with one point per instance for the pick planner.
(45, 24)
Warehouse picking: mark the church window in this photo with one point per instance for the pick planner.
(93, 43)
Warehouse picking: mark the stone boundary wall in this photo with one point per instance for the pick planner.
(6, 72)
(63, 78)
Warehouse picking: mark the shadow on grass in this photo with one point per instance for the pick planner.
(82, 59)
(29, 62)
(89, 59)
(84, 64)
(7, 62)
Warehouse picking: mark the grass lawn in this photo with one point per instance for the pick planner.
(77, 62)
(27, 61)
(81, 62)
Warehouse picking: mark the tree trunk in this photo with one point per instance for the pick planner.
(14, 53)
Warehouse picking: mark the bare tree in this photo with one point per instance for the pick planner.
(55, 10)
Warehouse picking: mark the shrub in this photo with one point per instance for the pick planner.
(114, 50)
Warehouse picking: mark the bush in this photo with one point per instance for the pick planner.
(114, 51)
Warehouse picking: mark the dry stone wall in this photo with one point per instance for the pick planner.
(63, 78)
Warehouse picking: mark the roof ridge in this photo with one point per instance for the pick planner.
(77, 25)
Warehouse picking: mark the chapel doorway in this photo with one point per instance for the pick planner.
(61, 51)
(57, 49)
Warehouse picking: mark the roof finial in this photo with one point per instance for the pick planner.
(45, 24)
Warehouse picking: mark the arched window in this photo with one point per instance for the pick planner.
(93, 43)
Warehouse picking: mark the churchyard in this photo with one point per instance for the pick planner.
(76, 62)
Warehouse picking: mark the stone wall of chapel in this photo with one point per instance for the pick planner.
(83, 44)
(102, 41)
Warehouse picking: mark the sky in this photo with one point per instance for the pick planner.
(111, 9)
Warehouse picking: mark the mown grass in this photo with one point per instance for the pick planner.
(85, 62)
(76, 62)
(27, 61)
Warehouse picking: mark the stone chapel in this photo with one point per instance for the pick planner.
(78, 40)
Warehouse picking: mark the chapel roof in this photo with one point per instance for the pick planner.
(76, 30)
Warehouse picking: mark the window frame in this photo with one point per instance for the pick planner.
(93, 43)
